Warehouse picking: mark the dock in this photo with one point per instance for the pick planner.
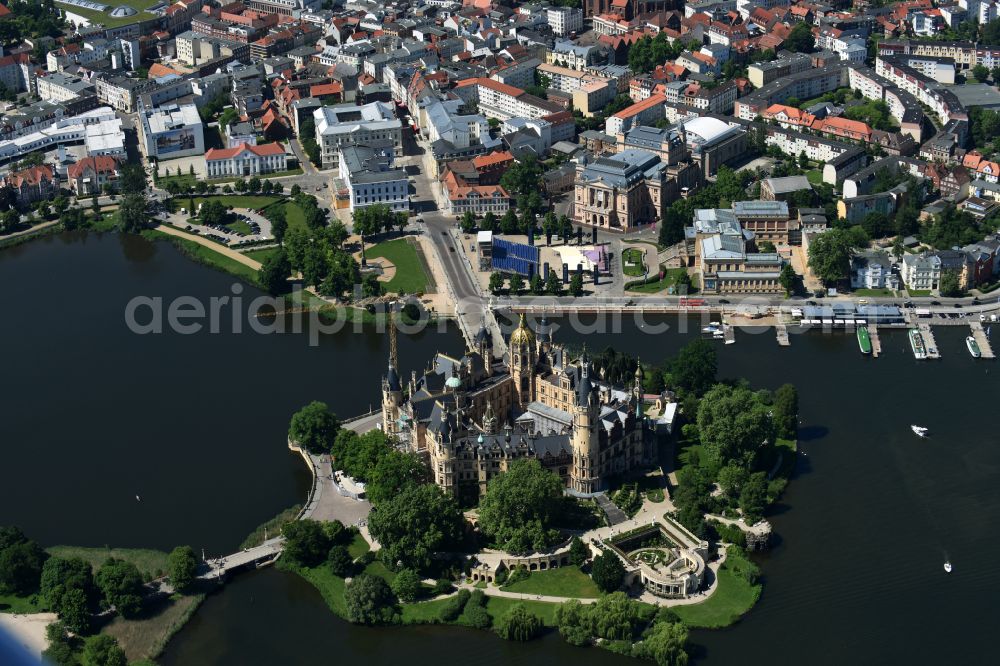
(782, 332)
(876, 342)
(929, 342)
(985, 350)
(729, 334)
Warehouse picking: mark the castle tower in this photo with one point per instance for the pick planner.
(585, 440)
(523, 357)
(489, 419)
(483, 344)
(392, 399)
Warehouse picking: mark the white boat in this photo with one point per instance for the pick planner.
(973, 347)
(710, 329)
(947, 567)
(921, 432)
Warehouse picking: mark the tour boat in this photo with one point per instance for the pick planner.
(864, 341)
(917, 344)
(920, 431)
(947, 567)
(970, 342)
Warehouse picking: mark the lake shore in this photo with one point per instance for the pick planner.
(28, 631)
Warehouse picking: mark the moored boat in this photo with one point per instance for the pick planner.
(973, 346)
(917, 344)
(919, 430)
(947, 567)
(864, 341)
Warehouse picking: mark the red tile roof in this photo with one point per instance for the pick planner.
(98, 164)
(229, 153)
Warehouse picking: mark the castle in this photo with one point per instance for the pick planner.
(473, 416)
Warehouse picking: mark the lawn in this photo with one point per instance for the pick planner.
(206, 256)
(410, 277)
(239, 226)
(105, 18)
(295, 217)
(231, 200)
(632, 263)
(874, 292)
(145, 637)
(559, 582)
(152, 562)
(330, 586)
(918, 292)
(815, 176)
(376, 568)
(669, 279)
(358, 546)
(10, 603)
(732, 599)
(262, 255)
(497, 606)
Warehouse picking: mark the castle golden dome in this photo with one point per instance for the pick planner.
(522, 335)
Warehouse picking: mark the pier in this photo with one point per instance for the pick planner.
(985, 349)
(782, 332)
(930, 344)
(876, 342)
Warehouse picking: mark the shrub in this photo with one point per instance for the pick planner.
(517, 574)
(340, 561)
(607, 572)
(578, 552)
(406, 585)
(367, 558)
(442, 586)
(501, 577)
(476, 617)
(453, 608)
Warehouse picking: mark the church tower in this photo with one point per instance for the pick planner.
(392, 398)
(586, 438)
(522, 363)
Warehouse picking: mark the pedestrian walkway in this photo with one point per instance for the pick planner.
(212, 245)
(611, 510)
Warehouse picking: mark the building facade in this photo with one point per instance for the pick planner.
(246, 160)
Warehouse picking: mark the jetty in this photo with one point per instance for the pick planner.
(930, 344)
(986, 351)
(781, 331)
(875, 341)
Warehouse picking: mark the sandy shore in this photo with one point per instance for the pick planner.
(28, 630)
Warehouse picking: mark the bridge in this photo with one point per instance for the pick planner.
(265, 553)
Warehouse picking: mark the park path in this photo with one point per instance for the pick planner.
(212, 245)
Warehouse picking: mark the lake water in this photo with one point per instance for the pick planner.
(195, 424)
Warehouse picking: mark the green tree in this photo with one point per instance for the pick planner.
(132, 215)
(489, 222)
(10, 221)
(62, 648)
(787, 279)
(830, 254)
(132, 179)
(516, 284)
(414, 524)
(68, 587)
(981, 73)
(665, 644)
(103, 650)
(406, 585)
(395, 471)
(21, 563)
(579, 553)
(573, 620)
(340, 561)
(731, 479)
(468, 222)
(614, 616)
(306, 542)
(607, 572)
(518, 624)
(694, 368)
(950, 285)
(520, 508)
(734, 425)
(369, 600)
(553, 285)
(121, 584)
(274, 272)
(576, 285)
(278, 218)
(496, 282)
(800, 39)
(522, 177)
(535, 285)
(314, 427)
(753, 497)
(358, 455)
(785, 411)
(182, 565)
